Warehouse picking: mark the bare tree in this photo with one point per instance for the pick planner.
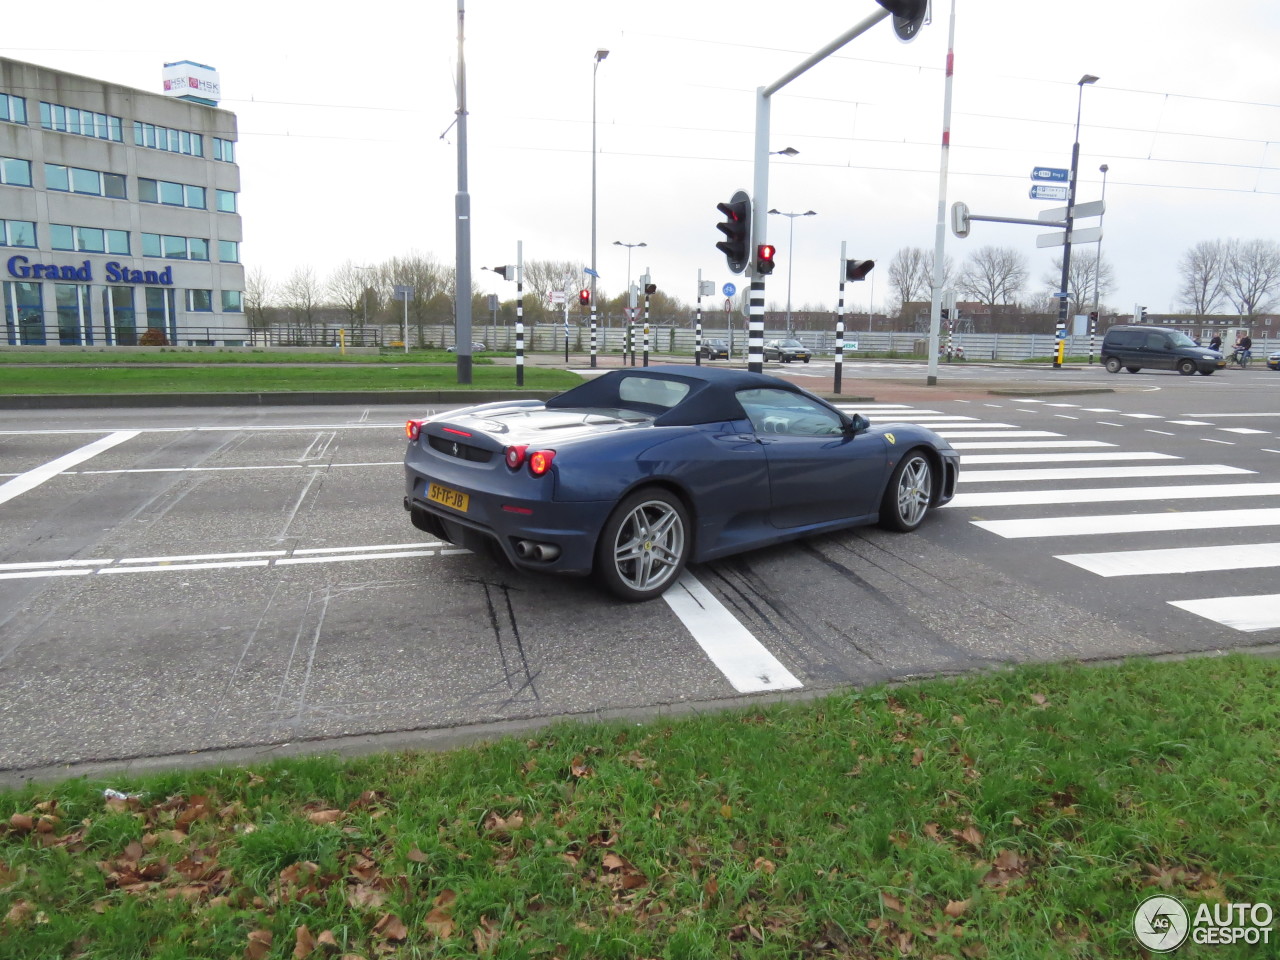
(300, 296)
(349, 289)
(911, 274)
(1203, 269)
(1252, 278)
(432, 286)
(258, 293)
(993, 275)
(1091, 279)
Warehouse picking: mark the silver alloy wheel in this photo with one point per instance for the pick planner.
(915, 487)
(649, 546)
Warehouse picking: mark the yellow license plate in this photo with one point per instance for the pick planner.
(450, 498)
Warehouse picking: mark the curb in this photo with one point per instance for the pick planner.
(29, 401)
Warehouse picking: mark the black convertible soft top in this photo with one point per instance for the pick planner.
(711, 397)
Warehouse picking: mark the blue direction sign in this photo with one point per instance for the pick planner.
(1048, 191)
(729, 289)
(1051, 174)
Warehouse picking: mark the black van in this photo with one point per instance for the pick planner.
(1159, 348)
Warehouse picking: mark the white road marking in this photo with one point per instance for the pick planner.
(1099, 410)
(1192, 423)
(33, 478)
(1130, 563)
(983, 458)
(1033, 445)
(1075, 526)
(983, 434)
(1242, 430)
(744, 660)
(1142, 416)
(1023, 498)
(1099, 473)
(1248, 614)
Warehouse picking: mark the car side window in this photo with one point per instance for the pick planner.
(774, 411)
(1157, 341)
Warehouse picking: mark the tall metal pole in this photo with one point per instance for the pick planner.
(1064, 301)
(462, 212)
(940, 229)
(519, 313)
(1097, 265)
(600, 55)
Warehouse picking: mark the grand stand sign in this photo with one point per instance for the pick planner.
(23, 269)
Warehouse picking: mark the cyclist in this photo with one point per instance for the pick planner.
(1244, 347)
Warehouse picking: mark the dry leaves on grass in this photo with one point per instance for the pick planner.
(440, 918)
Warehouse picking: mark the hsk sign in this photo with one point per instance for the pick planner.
(23, 269)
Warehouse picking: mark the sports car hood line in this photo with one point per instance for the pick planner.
(634, 474)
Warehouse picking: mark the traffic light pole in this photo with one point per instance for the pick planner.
(760, 182)
(519, 313)
(840, 321)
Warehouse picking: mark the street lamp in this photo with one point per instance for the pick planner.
(1064, 300)
(791, 247)
(631, 294)
(595, 66)
(784, 152)
(1097, 266)
(364, 294)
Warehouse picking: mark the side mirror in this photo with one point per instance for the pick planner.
(857, 423)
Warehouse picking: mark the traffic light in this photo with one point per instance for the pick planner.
(764, 258)
(507, 272)
(857, 269)
(584, 297)
(650, 289)
(946, 314)
(1093, 316)
(908, 15)
(1139, 314)
(736, 229)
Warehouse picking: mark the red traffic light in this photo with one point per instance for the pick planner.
(584, 297)
(764, 258)
(650, 289)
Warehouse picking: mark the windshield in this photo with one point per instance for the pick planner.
(792, 343)
(1180, 339)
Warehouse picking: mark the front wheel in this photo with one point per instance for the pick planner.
(1113, 365)
(910, 491)
(1133, 369)
(1186, 367)
(644, 545)
(1206, 373)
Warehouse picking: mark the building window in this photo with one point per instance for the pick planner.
(232, 301)
(84, 123)
(226, 201)
(229, 251)
(174, 248)
(200, 301)
(163, 138)
(23, 312)
(13, 109)
(224, 150)
(173, 194)
(94, 183)
(15, 172)
(88, 239)
(17, 233)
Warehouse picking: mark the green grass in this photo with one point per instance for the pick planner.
(102, 356)
(1023, 814)
(261, 379)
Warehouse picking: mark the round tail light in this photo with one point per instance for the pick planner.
(540, 461)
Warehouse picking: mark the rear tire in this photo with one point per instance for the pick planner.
(644, 545)
(1113, 365)
(1206, 373)
(1133, 369)
(909, 494)
(1186, 367)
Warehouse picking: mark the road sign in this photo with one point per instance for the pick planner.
(1047, 191)
(1093, 208)
(728, 289)
(399, 292)
(1050, 174)
(1059, 238)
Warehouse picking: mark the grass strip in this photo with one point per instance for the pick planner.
(101, 356)
(1017, 815)
(269, 379)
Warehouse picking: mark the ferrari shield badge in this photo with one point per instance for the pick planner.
(890, 438)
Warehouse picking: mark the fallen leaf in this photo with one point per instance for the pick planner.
(416, 856)
(917, 757)
(389, 927)
(1039, 699)
(726, 811)
(259, 945)
(970, 835)
(956, 908)
(304, 943)
(321, 817)
(440, 919)
(891, 902)
(764, 866)
(486, 935)
(18, 913)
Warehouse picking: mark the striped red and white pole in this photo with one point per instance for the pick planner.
(755, 328)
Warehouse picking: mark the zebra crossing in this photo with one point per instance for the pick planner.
(1029, 466)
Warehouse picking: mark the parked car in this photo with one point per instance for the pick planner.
(477, 346)
(786, 351)
(1273, 361)
(637, 472)
(715, 350)
(1134, 347)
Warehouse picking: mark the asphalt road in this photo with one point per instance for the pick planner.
(227, 583)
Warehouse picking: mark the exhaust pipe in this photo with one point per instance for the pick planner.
(525, 548)
(546, 552)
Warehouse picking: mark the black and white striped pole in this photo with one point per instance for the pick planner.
(519, 313)
(648, 289)
(697, 326)
(840, 323)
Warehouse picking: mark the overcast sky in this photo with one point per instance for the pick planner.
(341, 118)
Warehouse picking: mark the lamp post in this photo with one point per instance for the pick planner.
(790, 248)
(1097, 257)
(631, 295)
(1065, 299)
(600, 55)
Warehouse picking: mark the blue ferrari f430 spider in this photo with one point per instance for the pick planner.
(633, 474)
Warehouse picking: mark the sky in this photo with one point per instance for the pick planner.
(348, 149)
